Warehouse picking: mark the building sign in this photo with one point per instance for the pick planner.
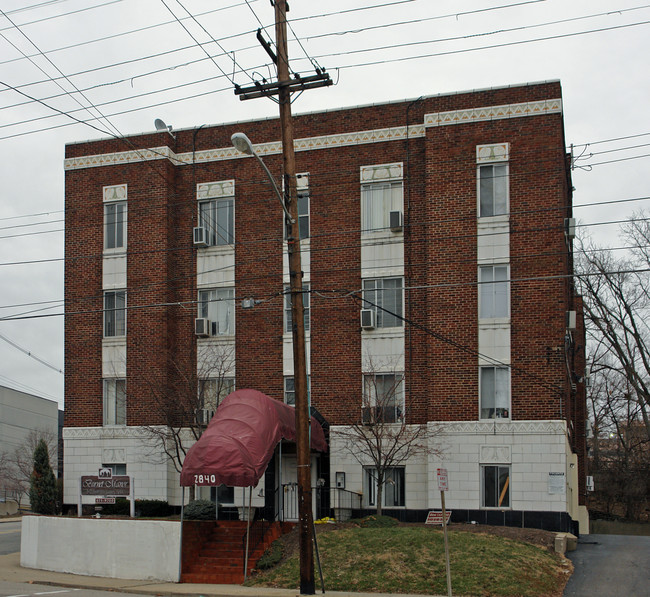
(104, 500)
(111, 486)
(557, 483)
(435, 517)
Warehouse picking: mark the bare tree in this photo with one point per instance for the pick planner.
(617, 306)
(186, 407)
(383, 439)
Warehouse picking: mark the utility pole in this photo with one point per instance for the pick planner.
(303, 452)
(283, 88)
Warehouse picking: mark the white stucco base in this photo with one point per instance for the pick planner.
(536, 452)
(142, 549)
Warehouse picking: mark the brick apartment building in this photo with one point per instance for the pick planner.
(437, 257)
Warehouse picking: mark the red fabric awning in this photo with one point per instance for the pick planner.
(240, 439)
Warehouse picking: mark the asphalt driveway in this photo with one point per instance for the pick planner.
(607, 565)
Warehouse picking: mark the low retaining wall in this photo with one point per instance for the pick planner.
(135, 549)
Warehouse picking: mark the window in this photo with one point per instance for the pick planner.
(384, 297)
(288, 318)
(494, 386)
(377, 201)
(393, 487)
(114, 402)
(496, 486)
(117, 469)
(218, 306)
(212, 391)
(493, 291)
(303, 213)
(290, 390)
(493, 190)
(383, 398)
(115, 225)
(114, 313)
(217, 216)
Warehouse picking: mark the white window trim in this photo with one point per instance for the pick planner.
(122, 249)
(107, 383)
(371, 492)
(503, 318)
(482, 468)
(104, 312)
(493, 154)
(231, 332)
(480, 393)
(370, 401)
(376, 308)
(218, 190)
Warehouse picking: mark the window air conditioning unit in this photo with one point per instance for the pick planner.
(200, 236)
(590, 483)
(571, 321)
(395, 220)
(204, 415)
(367, 319)
(202, 327)
(570, 228)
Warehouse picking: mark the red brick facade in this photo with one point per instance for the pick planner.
(440, 261)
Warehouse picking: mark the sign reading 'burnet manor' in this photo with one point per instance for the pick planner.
(93, 485)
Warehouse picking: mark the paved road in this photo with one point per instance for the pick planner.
(607, 565)
(13, 589)
(9, 537)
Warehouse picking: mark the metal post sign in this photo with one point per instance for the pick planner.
(443, 480)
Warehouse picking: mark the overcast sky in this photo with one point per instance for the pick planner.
(65, 61)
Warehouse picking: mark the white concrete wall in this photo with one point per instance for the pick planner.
(533, 449)
(343, 460)
(136, 549)
(86, 449)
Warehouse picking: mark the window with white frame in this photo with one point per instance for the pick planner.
(290, 390)
(213, 390)
(114, 313)
(303, 213)
(495, 486)
(218, 306)
(115, 225)
(493, 189)
(288, 316)
(383, 398)
(217, 216)
(378, 199)
(116, 469)
(384, 296)
(114, 402)
(494, 388)
(393, 487)
(494, 291)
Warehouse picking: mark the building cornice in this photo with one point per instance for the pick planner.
(398, 133)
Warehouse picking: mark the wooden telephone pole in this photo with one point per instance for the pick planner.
(283, 88)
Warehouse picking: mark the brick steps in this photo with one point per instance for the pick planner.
(221, 557)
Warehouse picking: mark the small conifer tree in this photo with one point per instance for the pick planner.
(42, 489)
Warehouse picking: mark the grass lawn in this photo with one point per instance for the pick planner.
(411, 559)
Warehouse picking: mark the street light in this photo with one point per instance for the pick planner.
(303, 452)
(242, 143)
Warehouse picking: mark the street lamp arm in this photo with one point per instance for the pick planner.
(242, 143)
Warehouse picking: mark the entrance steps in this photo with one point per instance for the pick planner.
(214, 551)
